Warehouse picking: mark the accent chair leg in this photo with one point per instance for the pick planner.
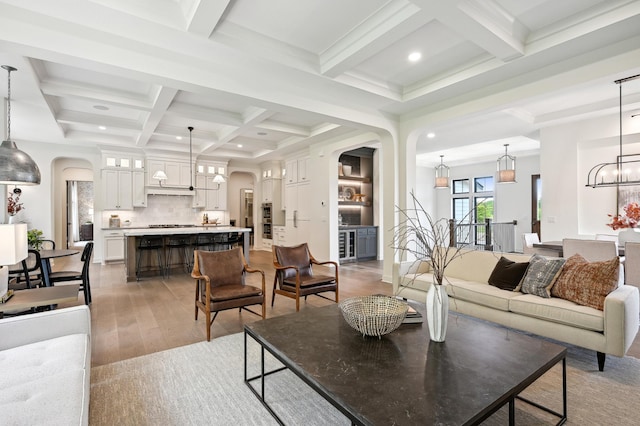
(601, 358)
(273, 295)
(208, 315)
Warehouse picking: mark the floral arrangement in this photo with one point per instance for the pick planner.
(13, 205)
(630, 218)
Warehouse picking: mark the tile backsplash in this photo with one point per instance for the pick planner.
(165, 209)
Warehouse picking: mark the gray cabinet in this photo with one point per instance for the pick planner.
(367, 244)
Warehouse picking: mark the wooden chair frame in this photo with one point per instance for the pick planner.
(296, 296)
(206, 308)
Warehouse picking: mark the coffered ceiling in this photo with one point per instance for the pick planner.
(259, 80)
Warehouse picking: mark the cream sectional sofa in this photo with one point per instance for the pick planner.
(611, 331)
(46, 361)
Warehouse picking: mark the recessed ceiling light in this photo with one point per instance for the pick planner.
(102, 128)
(415, 56)
(262, 133)
(431, 135)
(101, 107)
(239, 145)
(179, 138)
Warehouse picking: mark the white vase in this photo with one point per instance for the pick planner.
(437, 312)
(12, 218)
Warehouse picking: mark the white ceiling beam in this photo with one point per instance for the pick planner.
(97, 94)
(195, 112)
(483, 22)
(82, 118)
(205, 16)
(388, 25)
(164, 97)
(284, 128)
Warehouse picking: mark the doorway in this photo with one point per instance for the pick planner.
(79, 213)
(536, 206)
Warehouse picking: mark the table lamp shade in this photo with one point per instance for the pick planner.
(13, 249)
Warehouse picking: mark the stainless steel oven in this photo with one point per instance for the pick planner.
(266, 220)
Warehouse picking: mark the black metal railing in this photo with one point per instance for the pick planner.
(488, 235)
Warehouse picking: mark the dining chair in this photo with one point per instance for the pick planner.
(632, 263)
(531, 238)
(221, 284)
(528, 240)
(48, 245)
(294, 276)
(27, 273)
(83, 276)
(591, 250)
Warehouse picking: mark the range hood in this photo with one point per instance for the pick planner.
(159, 190)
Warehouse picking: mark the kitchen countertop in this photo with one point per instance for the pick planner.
(137, 232)
(344, 227)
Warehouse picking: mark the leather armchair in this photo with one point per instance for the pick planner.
(294, 274)
(220, 284)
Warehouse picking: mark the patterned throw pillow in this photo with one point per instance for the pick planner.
(541, 275)
(507, 274)
(587, 283)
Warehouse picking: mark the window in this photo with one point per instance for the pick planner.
(461, 209)
(472, 208)
(461, 186)
(483, 184)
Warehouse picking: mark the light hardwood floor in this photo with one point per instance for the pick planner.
(131, 319)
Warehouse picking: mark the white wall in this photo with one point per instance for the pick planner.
(511, 201)
(567, 153)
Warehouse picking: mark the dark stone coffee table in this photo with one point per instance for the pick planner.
(403, 378)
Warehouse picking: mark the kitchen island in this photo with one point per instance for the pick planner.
(133, 235)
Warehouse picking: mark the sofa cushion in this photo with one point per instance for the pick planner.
(47, 380)
(587, 283)
(507, 274)
(558, 310)
(36, 360)
(480, 293)
(541, 275)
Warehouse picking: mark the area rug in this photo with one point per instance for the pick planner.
(203, 384)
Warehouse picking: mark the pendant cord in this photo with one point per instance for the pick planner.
(9, 69)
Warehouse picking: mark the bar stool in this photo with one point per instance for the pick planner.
(221, 242)
(234, 239)
(204, 242)
(147, 243)
(181, 243)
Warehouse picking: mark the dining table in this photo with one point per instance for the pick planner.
(45, 261)
(557, 246)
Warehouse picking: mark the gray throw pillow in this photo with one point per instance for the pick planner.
(541, 274)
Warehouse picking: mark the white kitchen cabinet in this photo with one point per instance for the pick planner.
(272, 193)
(216, 195)
(291, 171)
(296, 171)
(200, 197)
(113, 245)
(279, 236)
(139, 193)
(303, 170)
(178, 173)
(116, 160)
(117, 188)
(298, 213)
